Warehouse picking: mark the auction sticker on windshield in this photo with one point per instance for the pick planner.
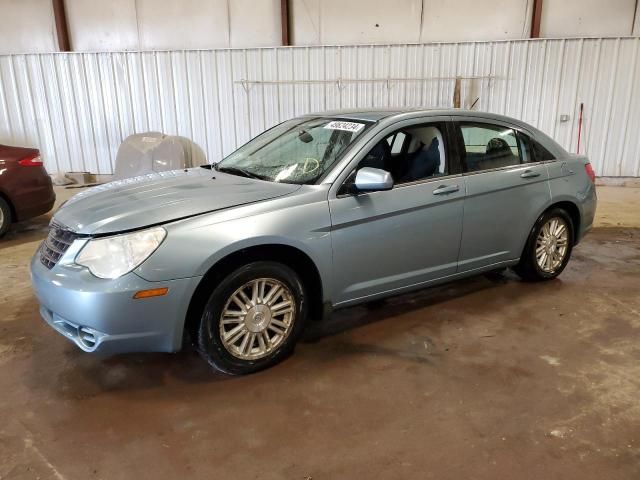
(347, 126)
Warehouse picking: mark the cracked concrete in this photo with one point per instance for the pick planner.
(485, 378)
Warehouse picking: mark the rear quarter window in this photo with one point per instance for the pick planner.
(533, 151)
(540, 154)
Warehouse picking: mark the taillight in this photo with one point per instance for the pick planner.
(590, 173)
(31, 161)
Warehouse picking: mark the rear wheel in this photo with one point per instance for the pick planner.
(253, 318)
(5, 216)
(548, 248)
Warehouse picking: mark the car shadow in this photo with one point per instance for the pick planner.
(27, 231)
(378, 310)
(87, 376)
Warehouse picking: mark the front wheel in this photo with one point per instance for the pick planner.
(253, 318)
(548, 248)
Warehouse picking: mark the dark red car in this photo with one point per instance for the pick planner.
(26, 190)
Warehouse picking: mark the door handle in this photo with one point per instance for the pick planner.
(442, 189)
(529, 174)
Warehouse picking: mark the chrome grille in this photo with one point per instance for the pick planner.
(55, 245)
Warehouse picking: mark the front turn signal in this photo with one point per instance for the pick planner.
(153, 292)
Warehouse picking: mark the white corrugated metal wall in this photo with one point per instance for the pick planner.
(78, 107)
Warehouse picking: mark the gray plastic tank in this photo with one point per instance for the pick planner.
(149, 152)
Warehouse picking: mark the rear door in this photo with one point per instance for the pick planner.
(505, 190)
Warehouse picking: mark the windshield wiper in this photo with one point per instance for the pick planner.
(242, 172)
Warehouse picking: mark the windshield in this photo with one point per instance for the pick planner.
(297, 151)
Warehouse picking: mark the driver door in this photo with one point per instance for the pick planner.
(393, 240)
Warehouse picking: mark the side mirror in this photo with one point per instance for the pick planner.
(372, 180)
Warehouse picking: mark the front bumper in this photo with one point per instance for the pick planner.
(102, 316)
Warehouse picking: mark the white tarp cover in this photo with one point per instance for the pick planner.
(151, 152)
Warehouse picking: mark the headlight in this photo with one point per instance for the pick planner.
(112, 257)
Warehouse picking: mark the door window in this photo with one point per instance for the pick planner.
(489, 146)
(525, 148)
(396, 141)
(411, 154)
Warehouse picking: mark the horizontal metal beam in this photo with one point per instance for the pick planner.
(341, 81)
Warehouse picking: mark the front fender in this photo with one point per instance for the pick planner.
(194, 245)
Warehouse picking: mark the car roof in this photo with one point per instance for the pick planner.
(389, 115)
(377, 114)
(372, 115)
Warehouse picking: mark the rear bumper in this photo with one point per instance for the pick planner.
(40, 202)
(588, 213)
(102, 316)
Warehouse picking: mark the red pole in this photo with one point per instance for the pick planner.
(580, 127)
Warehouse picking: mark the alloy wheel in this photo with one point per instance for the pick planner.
(552, 244)
(257, 318)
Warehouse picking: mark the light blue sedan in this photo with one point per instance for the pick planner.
(320, 212)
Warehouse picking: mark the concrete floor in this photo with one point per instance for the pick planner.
(485, 378)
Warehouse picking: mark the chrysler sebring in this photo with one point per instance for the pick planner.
(320, 212)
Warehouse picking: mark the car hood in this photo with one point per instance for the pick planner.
(161, 197)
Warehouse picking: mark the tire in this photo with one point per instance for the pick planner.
(249, 342)
(5, 216)
(551, 238)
